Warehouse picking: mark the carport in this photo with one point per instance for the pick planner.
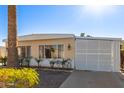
(97, 54)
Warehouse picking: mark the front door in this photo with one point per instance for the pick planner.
(48, 53)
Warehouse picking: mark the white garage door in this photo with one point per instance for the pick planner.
(94, 55)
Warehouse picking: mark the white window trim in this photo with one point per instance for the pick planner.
(57, 48)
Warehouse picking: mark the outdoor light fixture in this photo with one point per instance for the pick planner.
(69, 46)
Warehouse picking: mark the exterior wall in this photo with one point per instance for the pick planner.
(35, 49)
(3, 52)
(105, 55)
(35, 46)
(115, 48)
(116, 56)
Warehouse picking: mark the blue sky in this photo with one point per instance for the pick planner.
(105, 21)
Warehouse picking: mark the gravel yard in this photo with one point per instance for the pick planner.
(52, 78)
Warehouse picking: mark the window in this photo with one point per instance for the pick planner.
(24, 51)
(51, 51)
(28, 51)
(41, 52)
(60, 51)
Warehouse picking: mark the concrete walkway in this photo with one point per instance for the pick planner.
(87, 79)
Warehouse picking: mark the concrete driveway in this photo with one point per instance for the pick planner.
(88, 79)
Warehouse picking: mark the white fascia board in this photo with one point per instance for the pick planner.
(99, 38)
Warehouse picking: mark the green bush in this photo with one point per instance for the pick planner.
(52, 62)
(3, 60)
(38, 61)
(25, 77)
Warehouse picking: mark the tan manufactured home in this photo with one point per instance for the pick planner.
(58, 46)
(86, 53)
(46, 46)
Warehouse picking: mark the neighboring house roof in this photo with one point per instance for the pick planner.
(98, 38)
(43, 36)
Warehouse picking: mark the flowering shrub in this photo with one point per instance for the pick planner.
(25, 77)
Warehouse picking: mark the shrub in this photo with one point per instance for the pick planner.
(52, 62)
(3, 60)
(27, 59)
(38, 61)
(25, 77)
(20, 60)
(65, 62)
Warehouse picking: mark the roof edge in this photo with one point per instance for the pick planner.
(99, 38)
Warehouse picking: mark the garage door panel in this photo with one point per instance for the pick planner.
(91, 67)
(104, 63)
(104, 51)
(92, 58)
(81, 51)
(81, 56)
(94, 55)
(81, 59)
(83, 44)
(92, 51)
(105, 44)
(92, 44)
(105, 57)
(105, 68)
(92, 63)
(82, 66)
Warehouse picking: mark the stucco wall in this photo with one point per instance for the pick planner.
(35, 46)
(3, 52)
(97, 55)
(116, 56)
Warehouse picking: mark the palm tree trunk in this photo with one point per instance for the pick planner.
(12, 37)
